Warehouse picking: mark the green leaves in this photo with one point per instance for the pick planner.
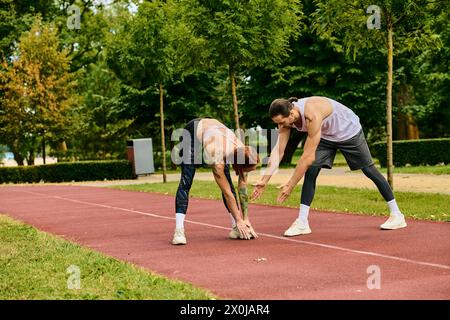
(245, 34)
(37, 90)
(345, 22)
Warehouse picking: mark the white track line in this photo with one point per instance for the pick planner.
(368, 253)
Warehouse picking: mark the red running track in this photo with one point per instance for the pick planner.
(330, 263)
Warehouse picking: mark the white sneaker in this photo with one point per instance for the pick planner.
(394, 222)
(179, 237)
(234, 233)
(297, 228)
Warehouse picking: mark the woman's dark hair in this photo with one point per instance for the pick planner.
(281, 107)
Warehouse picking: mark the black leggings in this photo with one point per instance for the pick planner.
(309, 184)
(187, 177)
(380, 181)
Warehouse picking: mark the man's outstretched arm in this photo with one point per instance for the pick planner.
(274, 161)
(305, 161)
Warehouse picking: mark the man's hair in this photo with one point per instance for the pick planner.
(281, 107)
(245, 158)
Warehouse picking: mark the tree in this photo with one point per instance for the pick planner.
(97, 130)
(244, 34)
(36, 91)
(317, 67)
(431, 80)
(407, 23)
(17, 17)
(82, 26)
(148, 49)
(138, 55)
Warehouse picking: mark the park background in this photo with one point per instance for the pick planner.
(79, 78)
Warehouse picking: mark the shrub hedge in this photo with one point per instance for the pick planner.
(414, 152)
(68, 171)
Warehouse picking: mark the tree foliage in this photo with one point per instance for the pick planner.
(197, 52)
(37, 91)
(244, 34)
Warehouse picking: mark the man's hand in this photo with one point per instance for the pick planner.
(285, 192)
(258, 190)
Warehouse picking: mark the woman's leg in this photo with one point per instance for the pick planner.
(182, 196)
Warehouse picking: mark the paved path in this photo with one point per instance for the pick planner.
(331, 263)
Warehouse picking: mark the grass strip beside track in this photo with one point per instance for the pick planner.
(34, 265)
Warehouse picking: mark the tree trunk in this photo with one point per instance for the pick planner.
(235, 101)
(17, 156)
(412, 127)
(163, 139)
(43, 150)
(390, 160)
(30, 159)
(401, 100)
(407, 128)
(62, 149)
(401, 125)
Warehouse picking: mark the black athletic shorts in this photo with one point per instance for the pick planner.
(355, 150)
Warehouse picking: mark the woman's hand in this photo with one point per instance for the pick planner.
(243, 229)
(250, 228)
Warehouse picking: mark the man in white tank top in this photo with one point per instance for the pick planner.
(330, 126)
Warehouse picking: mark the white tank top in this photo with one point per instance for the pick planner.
(342, 124)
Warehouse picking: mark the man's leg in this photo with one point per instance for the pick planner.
(182, 201)
(357, 154)
(308, 191)
(396, 219)
(325, 154)
(301, 225)
(383, 186)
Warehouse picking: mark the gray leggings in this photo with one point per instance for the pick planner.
(309, 184)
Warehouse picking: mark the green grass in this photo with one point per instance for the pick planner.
(33, 265)
(438, 169)
(426, 206)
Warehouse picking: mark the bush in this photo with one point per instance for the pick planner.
(68, 171)
(414, 152)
